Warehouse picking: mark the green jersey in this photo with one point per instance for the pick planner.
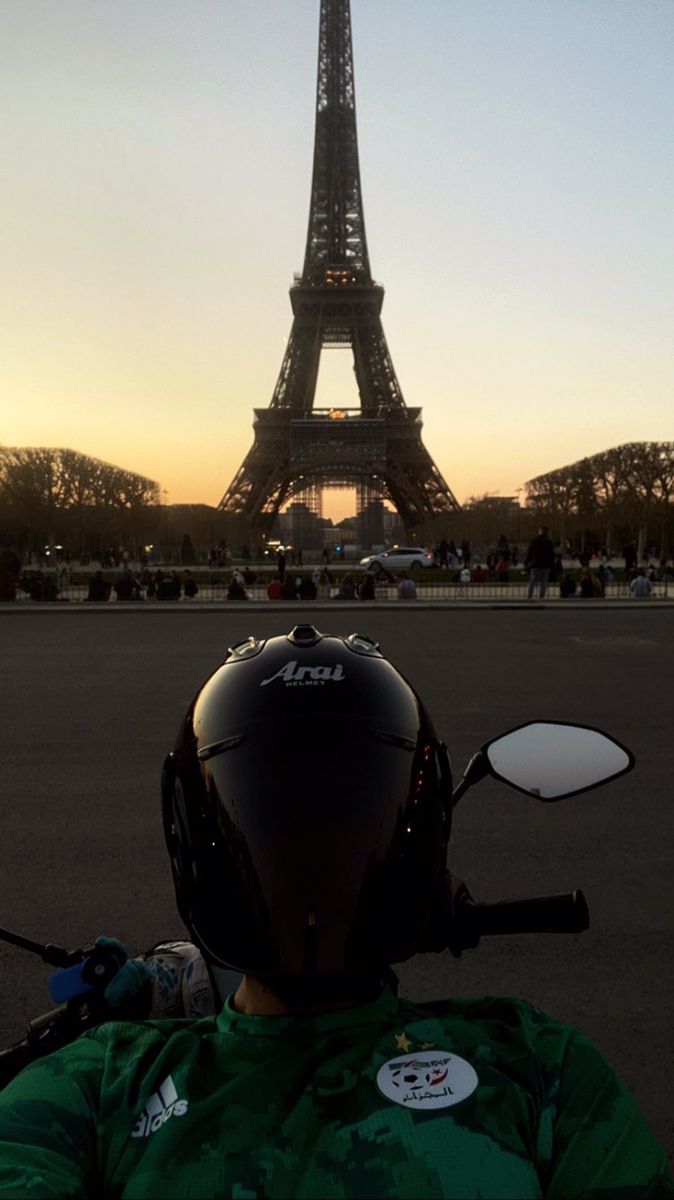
(465, 1098)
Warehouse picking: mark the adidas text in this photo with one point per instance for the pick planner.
(163, 1103)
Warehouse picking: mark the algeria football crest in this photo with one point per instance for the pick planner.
(427, 1079)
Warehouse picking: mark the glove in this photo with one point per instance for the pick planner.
(171, 980)
(132, 983)
(181, 986)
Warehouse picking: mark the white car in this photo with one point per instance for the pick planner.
(400, 558)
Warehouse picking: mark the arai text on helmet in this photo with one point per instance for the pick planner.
(293, 674)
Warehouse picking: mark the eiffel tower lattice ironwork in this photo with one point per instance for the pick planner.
(336, 303)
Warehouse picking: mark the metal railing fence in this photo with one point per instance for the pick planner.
(444, 590)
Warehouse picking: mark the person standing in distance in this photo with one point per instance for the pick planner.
(540, 560)
(640, 587)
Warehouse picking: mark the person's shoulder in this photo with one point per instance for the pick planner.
(510, 1010)
(520, 1040)
(124, 1040)
(524, 1027)
(115, 1048)
(498, 1020)
(112, 1050)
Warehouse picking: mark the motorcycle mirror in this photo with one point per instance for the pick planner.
(552, 759)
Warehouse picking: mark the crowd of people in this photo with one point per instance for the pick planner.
(585, 574)
(131, 586)
(545, 566)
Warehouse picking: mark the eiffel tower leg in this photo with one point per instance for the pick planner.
(261, 484)
(260, 487)
(417, 488)
(415, 484)
(296, 383)
(377, 381)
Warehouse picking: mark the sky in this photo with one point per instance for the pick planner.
(517, 164)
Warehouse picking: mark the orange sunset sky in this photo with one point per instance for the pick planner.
(518, 181)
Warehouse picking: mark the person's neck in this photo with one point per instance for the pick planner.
(253, 997)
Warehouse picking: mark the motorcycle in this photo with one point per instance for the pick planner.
(546, 760)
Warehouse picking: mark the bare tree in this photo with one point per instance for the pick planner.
(47, 493)
(630, 486)
(41, 477)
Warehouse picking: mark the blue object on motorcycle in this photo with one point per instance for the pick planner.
(101, 963)
(65, 985)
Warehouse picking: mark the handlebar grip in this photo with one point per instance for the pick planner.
(564, 913)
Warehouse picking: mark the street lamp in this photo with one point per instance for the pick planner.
(164, 496)
(517, 536)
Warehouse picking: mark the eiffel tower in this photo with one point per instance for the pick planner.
(297, 448)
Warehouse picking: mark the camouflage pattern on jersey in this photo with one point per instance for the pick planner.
(252, 1106)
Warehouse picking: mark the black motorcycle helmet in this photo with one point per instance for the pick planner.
(307, 808)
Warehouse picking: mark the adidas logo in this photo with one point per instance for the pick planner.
(163, 1103)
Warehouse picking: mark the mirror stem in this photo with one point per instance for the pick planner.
(476, 770)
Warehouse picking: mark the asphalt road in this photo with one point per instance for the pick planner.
(90, 702)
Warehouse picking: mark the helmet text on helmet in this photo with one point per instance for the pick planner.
(298, 676)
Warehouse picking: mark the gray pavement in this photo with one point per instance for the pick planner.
(89, 704)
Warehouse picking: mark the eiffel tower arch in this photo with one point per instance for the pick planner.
(377, 446)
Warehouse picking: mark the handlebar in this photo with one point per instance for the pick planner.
(566, 912)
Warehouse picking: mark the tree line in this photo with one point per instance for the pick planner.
(622, 494)
(51, 494)
(55, 497)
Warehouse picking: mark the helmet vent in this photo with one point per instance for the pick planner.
(229, 743)
(245, 649)
(304, 635)
(394, 739)
(362, 644)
